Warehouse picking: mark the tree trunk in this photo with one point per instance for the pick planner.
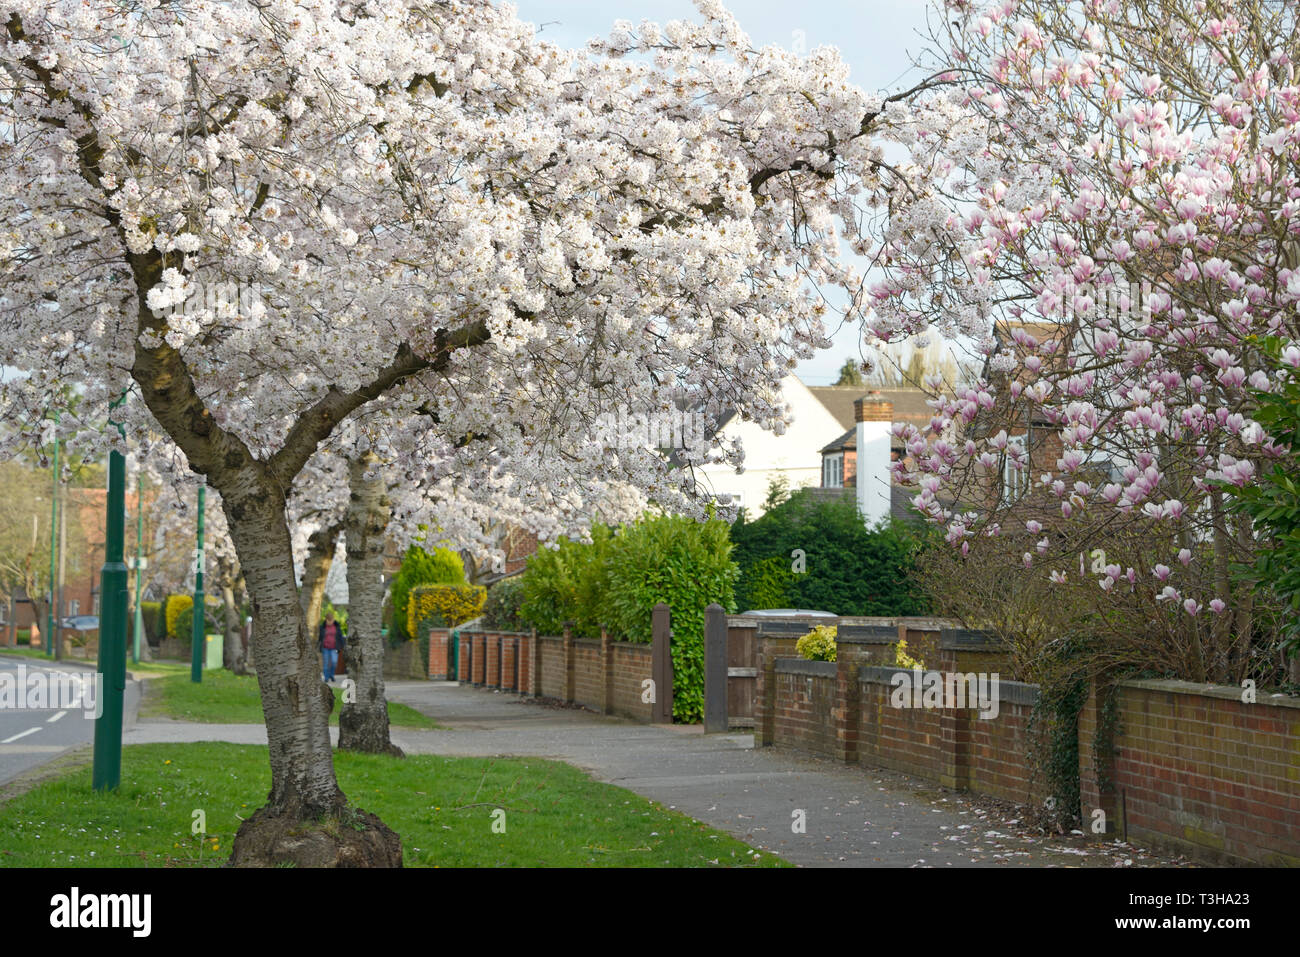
(363, 722)
(245, 628)
(232, 650)
(297, 705)
(316, 569)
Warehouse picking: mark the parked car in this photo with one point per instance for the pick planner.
(81, 623)
(790, 613)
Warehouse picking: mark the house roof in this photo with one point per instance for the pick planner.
(910, 404)
(900, 499)
(847, 441)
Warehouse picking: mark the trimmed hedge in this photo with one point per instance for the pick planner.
(618, 579)
(502, 611)
(847, 568)
(443, 605)
(442, 566)
(173, 605)
(149, 612)
(568, 583)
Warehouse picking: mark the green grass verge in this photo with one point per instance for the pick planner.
(146, 667)
(226, 698)
(555, 815)
(27, 652)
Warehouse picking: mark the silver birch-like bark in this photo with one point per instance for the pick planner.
(232, 650)
(363, 722)
(316, 569)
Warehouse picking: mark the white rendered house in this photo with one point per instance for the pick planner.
(795, 455)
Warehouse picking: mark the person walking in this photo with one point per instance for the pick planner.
(331, 640)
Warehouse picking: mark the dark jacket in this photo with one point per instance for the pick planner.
(341, 640)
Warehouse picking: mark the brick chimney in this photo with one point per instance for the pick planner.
(875, 418)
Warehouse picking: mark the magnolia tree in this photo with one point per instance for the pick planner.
(255, 220)
(1117, 236)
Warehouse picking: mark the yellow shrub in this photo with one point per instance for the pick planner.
(904, 660)
(451, 604)
(175, 605)
(818, 644)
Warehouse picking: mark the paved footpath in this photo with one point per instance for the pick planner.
(854, 817)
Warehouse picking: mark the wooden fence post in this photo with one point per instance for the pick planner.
(715, 669)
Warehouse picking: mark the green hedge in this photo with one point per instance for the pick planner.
(502, 611)
(442, 566)
(166, 612)
(214, 622)
(568, 583)
(848, 569)
(618, 579)
(149, 612)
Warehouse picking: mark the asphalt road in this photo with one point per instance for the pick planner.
(29, 738)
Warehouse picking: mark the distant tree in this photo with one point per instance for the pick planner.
(778, 490)
(850, 373)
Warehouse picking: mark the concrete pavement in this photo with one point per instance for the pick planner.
(852, 817)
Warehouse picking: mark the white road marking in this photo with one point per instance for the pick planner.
(56, 717)
(21, 734)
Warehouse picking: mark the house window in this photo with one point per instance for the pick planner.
(74, 607)
(1015, 481)
(833, 471)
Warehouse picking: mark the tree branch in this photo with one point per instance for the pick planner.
(315, 425)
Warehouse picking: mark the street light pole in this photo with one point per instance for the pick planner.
(107, 771)
(198, 651)
(139, 554)
(63, 570)
(54, 549)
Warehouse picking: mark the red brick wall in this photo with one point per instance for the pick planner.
(463, 655)
(1196, 769)
(509, 655)
(607, 675)
(552, 667)
(588, 674)
(480, 657)
(525, 664)
(438, 638)
(804, 697)
(1192, 766)
(903, 739)
(629, 665)
(492, 678)
(998, 750)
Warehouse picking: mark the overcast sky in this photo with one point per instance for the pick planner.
(878, 38)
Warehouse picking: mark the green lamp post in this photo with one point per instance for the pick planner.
(198, 651)
(139, 567)
(54, 548)
(106, 773)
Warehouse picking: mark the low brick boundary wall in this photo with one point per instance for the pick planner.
(403, 662)
(1192, 768)
(439, 655)
(597, 673)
